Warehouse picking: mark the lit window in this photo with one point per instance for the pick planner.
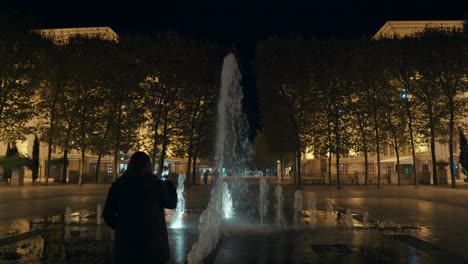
(110, 169)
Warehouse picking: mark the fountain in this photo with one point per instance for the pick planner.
(68, 215)
(99, 215)
(279, 205)
(227, 201)
(297, 205)
(82, 216)
(312, 207)
(330, 216)
(365, 220)
(233, 149)
(349, 218)
(263, 198)
(176, 221)
(329, 207)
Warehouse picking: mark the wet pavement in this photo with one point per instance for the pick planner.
(441, 214)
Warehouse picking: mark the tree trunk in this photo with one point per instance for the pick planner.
(337, 151)
(397, 153)
(49, 141)
(451, 130)
(435, 180)
(194, 170)
(117, 140)
(366, 158)
(329, 168)
(164, 142)
(104, 142)
(195, 156)
(413, 151)
(65, 156)
(155, 146)
(65, 165)
(82, 166)
(49, 155)
(338, 183)
(298, 159)
(377, 136)
(98, 164)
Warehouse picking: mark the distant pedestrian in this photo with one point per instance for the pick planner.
(134, 208)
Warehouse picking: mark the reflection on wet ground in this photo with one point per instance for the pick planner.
(327, 239)
(50, 240)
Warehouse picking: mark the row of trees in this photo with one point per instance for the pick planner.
(334, 97)
(106, 98)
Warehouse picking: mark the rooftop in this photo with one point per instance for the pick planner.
(63, 35)
(405, 28)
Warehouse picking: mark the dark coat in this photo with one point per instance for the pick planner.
(135, 210)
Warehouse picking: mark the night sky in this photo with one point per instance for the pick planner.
(240, 23)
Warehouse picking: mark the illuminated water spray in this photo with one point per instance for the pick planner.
(297, 205)
(232, 151)
(176, 221)
(227, 201)
(312, 207)
(279, 205)
(263, 198)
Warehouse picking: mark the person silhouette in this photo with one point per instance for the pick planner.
(134, 209)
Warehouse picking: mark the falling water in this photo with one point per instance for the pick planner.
(176, 221)
(312, 207)
(232, 151)
(227, 201)
(349, 218)
(263, 198)
(99, 215)
(233, 148)
(67, 215)
(297, 205)
(329, 208)
(82, 216)
(279, 205)
(365, 220)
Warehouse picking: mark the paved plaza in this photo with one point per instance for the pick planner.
(440, 212)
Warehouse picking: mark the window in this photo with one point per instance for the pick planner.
(110, 169)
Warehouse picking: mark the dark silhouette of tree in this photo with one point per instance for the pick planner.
(35, 159)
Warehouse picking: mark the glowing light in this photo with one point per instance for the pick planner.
(179, 211)
(227, 202)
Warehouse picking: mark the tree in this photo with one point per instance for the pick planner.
(334, 80)
(448, 68)
(401, 70)
(54, 71)
(202, 63)
(285, 71)
(18, 75)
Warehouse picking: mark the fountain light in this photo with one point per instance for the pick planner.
(227, 202)
(176, 221)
